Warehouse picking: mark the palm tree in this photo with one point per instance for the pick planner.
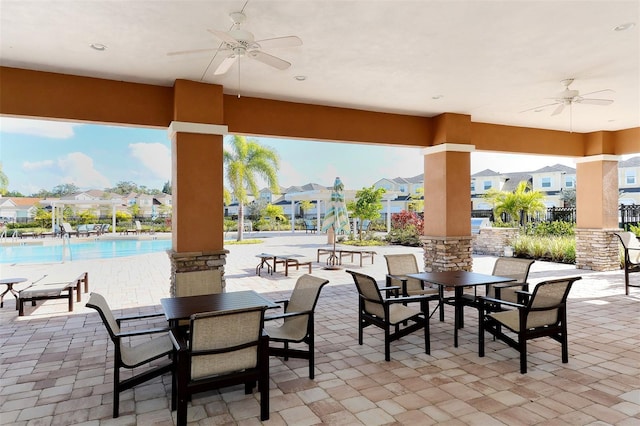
(246, 161)
(522, 201)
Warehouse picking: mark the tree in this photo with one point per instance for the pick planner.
(124, 188)
(568, 197)
(43, 216)
(166, 188)
(245, 162)
(4, 182)
(64, 189)
(519, 204)
(367, 205)
(275, 214)
(417, 201)
(305, 206)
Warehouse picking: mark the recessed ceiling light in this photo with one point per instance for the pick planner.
(436, 97)
(99, 47)
(300, 77)
(624, 27)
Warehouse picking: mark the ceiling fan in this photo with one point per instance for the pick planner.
(569, 97)
(238, 43)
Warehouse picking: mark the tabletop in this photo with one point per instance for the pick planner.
(176, 308)
(12, 280)
(459, 278)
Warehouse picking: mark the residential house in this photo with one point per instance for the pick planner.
(553, 181)
(629, 181)
(17, 209)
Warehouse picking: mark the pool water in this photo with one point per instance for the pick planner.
(81, 250)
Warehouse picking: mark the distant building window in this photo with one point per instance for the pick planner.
(473, 186)
(403, 188)
(630, 177)
(569, 182)
(545, 182)
(486, 185)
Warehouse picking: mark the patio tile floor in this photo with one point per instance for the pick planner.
(56, 366)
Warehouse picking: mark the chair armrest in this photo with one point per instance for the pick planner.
(408, 299)
(143, 332)
(281, 301)
(507, 285)
(389, 288)
(287, 315)
(502, 302)
(397, 277)
(179, 341)
(136, 317)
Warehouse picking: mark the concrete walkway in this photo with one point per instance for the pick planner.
(56, 366)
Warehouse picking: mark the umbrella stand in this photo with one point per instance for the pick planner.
(332, 260)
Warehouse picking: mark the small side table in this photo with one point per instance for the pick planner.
(9, 282)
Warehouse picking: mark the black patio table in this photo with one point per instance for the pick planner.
(458, 280)
(177, 308)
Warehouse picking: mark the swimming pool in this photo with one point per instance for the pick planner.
(81, 250)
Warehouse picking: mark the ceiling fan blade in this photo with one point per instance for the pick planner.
(288, 41)
(595, 101)
(558, 110)
(186, 52)
(597, 91)
(226, 37)
(540, 107)
(225, 65)
(267, 59)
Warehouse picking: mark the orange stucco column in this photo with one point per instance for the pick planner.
(597, 213)
(447, 207)
(197, 179)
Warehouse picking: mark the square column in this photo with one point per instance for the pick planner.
(447, 208)
(597, 213)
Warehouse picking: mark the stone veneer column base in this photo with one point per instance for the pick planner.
(597, 249)
(447, 253)
(197, 261)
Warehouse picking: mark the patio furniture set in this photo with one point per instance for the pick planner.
(224, 342)
(211, 339)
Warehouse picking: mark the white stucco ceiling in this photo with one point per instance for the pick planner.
(488, 59)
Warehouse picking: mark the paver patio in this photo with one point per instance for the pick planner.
(56, 366)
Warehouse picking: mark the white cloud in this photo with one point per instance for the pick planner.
(48, 129)
(78, 168)
(29, 166)
(156, 157)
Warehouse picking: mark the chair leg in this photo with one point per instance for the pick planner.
(626, 280)
(311, 352)
(286, 351)
(116, 391)
(387, 344)
(522, 347)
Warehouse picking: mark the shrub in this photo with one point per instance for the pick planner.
(560, 249)
(555, 228)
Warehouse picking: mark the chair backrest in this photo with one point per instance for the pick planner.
(98, 302)
(197, 283)
(510, 267)
(630, 241)
(369, 293)
(138, 225)
(304, 297)
(225, 341)
(403, 264)
(66, 226)
(546, 301)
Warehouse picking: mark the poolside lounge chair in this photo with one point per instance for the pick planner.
(67, 230)
(54, 286)
(136, 230)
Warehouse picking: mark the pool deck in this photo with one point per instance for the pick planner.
(53, 362)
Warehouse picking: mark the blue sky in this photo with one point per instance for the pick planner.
(39, 154)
